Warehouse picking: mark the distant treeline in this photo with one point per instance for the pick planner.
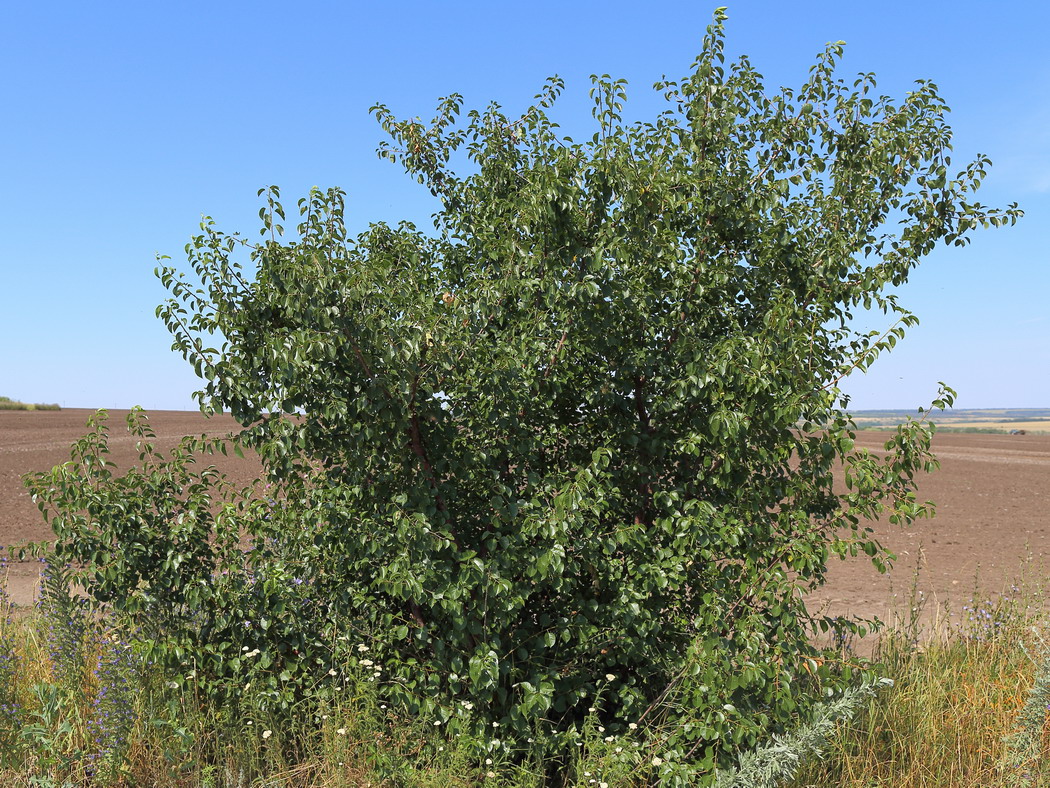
(943, 428)
(971, 414)
(6, 403)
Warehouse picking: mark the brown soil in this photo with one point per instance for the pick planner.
(993, 519)
(993, 496)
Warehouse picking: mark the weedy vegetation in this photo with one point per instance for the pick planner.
(546, 486)
(6, 403)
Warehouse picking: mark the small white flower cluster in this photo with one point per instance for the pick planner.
(377, 670)
(593, 781)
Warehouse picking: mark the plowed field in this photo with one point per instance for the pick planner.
(993, 515)
(993, 496)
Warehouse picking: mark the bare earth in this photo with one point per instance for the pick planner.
(993, 515)
(993, 496)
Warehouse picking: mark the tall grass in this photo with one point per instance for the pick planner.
(953, 716)
(112, 721)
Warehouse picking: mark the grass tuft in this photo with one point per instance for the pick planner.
(955, 707)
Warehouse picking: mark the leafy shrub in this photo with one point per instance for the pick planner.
(570, 454)
(6, 403)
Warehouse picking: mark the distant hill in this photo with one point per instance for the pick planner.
(992, 420)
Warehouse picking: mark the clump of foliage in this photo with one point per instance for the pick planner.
(9, 708)
(573, 451)
(6, 403)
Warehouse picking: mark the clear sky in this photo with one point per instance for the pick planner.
(125, 122)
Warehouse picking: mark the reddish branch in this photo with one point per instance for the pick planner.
(643, 516)
(557, 350)
(415, 442)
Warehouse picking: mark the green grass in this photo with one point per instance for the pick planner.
(175, 741)
(6, 403)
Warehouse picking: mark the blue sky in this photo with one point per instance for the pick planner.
(125, 122)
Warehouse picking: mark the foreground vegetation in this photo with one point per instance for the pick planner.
(963, 710)
(6, 403)
(81, 705)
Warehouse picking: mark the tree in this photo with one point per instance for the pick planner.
(575, 448)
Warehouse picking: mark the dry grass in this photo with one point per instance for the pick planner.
(956, 696)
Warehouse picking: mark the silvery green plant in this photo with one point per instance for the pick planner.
(1023, 764)
(777, 762)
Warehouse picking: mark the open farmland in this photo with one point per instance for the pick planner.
(989, 419)
(993, 514)
(993, 495)
(1033, 425)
